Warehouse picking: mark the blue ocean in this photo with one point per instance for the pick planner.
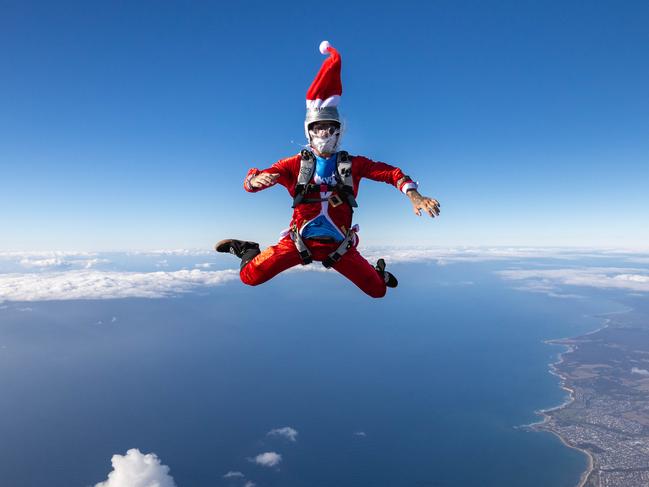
(425, 388)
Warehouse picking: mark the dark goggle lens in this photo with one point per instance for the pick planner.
(329, 128)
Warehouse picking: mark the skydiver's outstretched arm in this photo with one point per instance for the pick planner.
(281, 172)
(380, 171)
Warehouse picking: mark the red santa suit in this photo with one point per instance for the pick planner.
(284, 254)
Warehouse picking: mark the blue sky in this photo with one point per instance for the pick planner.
(130, 125)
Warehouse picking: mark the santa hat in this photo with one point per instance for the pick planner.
(323, 95)
(327, 87)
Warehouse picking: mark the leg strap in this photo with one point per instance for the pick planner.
(302, 249)
(344, 246)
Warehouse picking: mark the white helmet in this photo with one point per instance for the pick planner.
(323, 142)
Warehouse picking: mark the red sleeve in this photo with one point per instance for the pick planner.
(380, 171)
(286, 168)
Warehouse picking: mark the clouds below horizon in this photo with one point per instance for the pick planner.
(550, 280)
(94, 284)
(42, 276)
(136, 469)
(61, 261)
(449, 255)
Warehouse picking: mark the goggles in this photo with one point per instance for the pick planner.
(324, 128)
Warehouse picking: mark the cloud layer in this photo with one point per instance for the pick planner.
(550, 280)
(36, 276)
(442, 255)
(136, 469)
(53, 260)
(93, 284)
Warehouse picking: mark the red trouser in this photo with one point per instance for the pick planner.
(284, 255)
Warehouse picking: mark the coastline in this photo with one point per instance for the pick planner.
(563, 384)
(545, 413)
(546, 419)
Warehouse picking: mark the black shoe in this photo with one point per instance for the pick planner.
(246, 251)
(390, 280)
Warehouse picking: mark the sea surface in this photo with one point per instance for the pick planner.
(425, 388)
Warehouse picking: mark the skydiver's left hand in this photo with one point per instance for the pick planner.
(419, 203)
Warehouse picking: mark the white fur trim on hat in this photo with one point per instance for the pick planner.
(332, 101)
(324, 45)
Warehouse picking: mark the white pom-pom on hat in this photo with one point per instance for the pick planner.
(324, 45)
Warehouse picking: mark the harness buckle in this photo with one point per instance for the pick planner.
(333, 258)
(335, 200)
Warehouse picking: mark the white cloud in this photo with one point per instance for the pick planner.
(400, 254)
(636, 370)
(9, 254)
(287, 432)
(76, 275)
(267, 459)
(138, 470)
(174, 252)
(360, 433)
(443, 255)
(52, 262)
(249, 483)
(544, 280)
(233, 474)
(90, 263)
(94, 284)
(449, 255)
(59, 262)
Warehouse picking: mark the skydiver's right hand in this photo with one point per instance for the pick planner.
(264, 179)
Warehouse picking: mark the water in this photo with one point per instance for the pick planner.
(424, 388)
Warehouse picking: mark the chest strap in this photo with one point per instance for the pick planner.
(344, 183)
(302, 249)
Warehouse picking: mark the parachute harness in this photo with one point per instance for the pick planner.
(344, 189)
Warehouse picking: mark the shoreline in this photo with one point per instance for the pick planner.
(553, 369)
(545, 413)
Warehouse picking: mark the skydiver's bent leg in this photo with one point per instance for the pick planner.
(358, 270)
(270, 262)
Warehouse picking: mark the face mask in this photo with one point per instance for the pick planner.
(324, 141)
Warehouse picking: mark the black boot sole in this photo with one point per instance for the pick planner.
(243, 249)
(392, 281)
(380, 268)
(224, 245)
